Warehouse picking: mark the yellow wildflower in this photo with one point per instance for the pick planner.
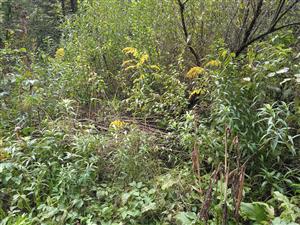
(60, 53)
(117, 124)
(196, 92)
(154, 67)
(127, 63)
(130, 68)
(142, 76)
(131, 51)
(213, 63)
(223, 53)
(195, 72)
(143, 59)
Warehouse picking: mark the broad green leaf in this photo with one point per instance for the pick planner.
(279, 221)
(257, 211)
(186, 218)
(151, 206)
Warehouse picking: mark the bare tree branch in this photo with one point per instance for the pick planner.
(252, 23)
(287, 10)
(244, 24)
(276, 15)
(266, 34)
(63, 7)
(185, 31)
(279, 13)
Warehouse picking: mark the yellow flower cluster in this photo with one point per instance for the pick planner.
(154, 67)
(140, 60)
(60, 53)
(130, 68)
(143, 59)
(117, 124)
(196, 92)
(131, 51)
(127, 63)
(195, 72)
(213, 63)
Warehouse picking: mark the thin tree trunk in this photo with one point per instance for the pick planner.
(63, 7)
(74, 5)
(185, 30)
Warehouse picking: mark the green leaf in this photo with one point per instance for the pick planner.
(186, 218)
(151, 206)
(297, 76)
(167, 182)
(257, 211)
(278, 221)
(125, 197)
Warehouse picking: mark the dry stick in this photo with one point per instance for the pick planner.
(239, 193)
(208, 196)
(226, 167)
(196, 161)
(238, 181)
(105, 61)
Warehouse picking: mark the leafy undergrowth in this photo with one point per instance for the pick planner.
(72, 171)
(139, 158)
